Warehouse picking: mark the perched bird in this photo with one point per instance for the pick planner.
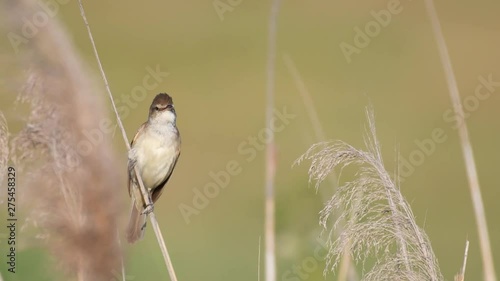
(154, 151)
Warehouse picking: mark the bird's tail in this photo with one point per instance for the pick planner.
(136, 225)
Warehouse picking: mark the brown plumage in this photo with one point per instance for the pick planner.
(155, 150)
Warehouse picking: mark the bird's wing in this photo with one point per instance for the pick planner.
(138, 132)
(156, 191)
(131, 162)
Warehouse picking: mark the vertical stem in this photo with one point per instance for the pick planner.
(312, 113)
(468, 154)
(270, 238)
(122, 264)
(258, 263)
(462, 271)
(163, 247)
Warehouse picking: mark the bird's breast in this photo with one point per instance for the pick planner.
(155, 155)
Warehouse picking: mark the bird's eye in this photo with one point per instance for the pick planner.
(157, 108)
(170, 106)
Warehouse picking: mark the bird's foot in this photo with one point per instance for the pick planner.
(148, 209)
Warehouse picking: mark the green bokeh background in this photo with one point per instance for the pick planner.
(218, 80)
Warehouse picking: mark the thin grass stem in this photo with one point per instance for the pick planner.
(468, 154)
(270, 235)
(144, 192)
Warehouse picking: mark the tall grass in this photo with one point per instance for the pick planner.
(461, 274)
(71, 190)
(270, 164)
(378, 222)
(466, 145)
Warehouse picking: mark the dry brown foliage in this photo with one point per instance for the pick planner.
(70, 183)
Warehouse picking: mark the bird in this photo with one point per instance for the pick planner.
(155, 149)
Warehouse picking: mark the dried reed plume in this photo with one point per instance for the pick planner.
(378, 222)
(70, 182)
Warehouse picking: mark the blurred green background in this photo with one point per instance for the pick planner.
(217, 76)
